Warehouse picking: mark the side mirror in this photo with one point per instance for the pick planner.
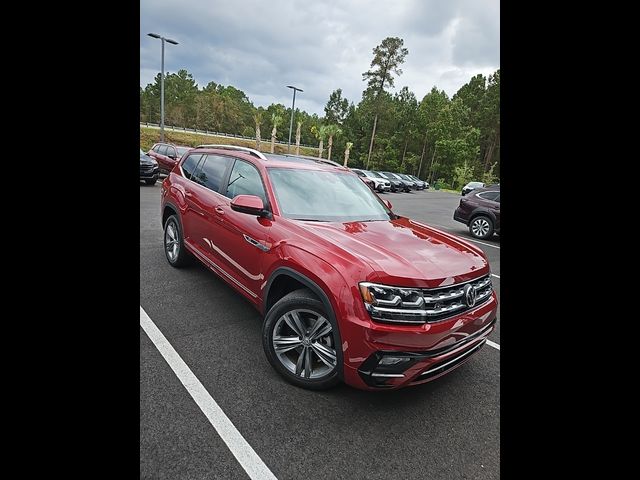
(387, 203)
(250, 204)
(172, 157)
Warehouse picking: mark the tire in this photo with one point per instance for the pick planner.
(150, 181)
(291, 318)
(380, 189)
(481, 227)
(176, 254)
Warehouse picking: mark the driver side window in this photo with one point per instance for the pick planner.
(245, 180)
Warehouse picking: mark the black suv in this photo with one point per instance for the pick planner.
(480, 211)
(148, 169)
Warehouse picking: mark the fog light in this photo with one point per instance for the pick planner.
(393, 360)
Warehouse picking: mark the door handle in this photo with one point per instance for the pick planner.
(219, 211)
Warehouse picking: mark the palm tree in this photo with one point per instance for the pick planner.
(298, 137)
(346, 153)
(257, 117)
(331, 131)
(276, 120)
(320, 134)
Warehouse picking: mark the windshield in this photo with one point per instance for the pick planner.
(325, 196)
(404, 177)
(475, 184)
(373, 174)
(182, 150)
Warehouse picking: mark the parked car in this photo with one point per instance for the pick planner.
(316, 253)
(397, 185)
(381, 184)
(405, 185)
(421, 183)
(412, 183)
(471, 186)
(297, 158)
(148, 169)
(480, 211)
(167, 155)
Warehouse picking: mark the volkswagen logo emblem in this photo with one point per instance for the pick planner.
(469, 295)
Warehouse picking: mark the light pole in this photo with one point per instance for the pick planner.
(173, 42)
(293, 107)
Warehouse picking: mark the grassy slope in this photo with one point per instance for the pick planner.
(149, 136)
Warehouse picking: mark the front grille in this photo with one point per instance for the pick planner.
(146, 168)
(416, 306)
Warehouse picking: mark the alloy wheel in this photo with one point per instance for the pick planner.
(303, 342)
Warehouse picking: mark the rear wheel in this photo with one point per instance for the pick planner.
(174, 250)
(481, 227)
(301, 342)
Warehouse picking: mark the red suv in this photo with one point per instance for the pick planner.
(167, 155)
(349, 290)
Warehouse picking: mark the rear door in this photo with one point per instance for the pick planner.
(204, 199)
(171, 157)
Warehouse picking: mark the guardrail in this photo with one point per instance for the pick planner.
(214, 133)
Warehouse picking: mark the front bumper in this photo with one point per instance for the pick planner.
(427, 351)
(148, 174)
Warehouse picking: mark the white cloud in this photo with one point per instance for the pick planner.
(260, 47)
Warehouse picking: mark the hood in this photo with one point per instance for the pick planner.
(405, 253)
(146, 159)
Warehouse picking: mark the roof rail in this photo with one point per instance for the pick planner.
(252, 151)
(315, 159)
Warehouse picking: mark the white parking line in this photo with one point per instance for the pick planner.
(493, 344)
(494, 275)
(481, 243)
(246, 456)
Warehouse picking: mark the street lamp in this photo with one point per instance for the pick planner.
(173, 42)
(292, 110)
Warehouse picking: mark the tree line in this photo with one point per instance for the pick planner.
(453, 140)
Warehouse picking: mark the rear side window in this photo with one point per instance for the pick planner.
(212, 171)
(245, 180)
(189, 165)
(489, 195)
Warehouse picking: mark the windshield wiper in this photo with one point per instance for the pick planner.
(308, 219)
(237, 178)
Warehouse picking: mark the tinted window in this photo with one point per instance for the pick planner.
(245, 180)
(212, 170)
(359, 173)
(489, 195)
(189, 165)
(497, 199)
(171, 151)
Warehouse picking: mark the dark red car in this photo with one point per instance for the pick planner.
(167, 155)
(349, 290)
(480, 211)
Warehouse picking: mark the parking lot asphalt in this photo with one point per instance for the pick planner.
(445, 429)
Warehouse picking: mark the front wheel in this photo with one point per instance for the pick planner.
(301, 342)
(481, 227)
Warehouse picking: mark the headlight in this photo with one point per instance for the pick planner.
(417, 306)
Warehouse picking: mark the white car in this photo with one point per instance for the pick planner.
(381, 184)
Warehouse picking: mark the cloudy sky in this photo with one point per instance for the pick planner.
(260, 46)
